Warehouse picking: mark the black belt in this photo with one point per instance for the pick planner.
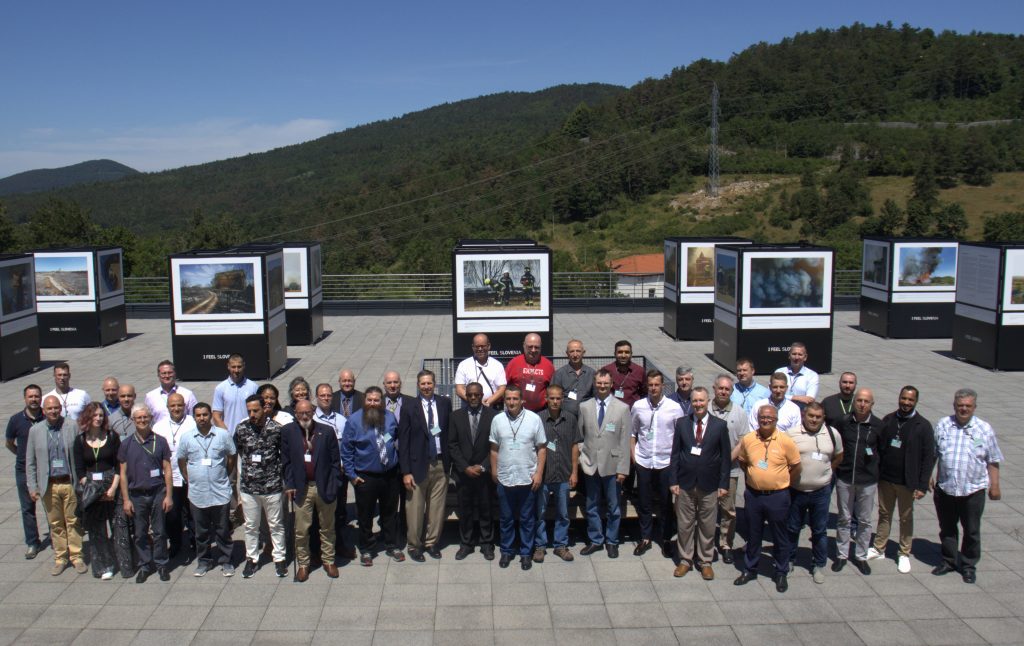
(761, 492)
(145, 492)
(60, 479)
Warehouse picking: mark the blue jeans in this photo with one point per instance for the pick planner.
(812, 505)
(28, 509)
(516, 503)
(608, 488)
(561, 492)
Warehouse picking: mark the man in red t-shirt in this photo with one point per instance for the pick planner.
(628, 381)
(532, 373)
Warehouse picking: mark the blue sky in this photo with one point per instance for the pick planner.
(161, 85)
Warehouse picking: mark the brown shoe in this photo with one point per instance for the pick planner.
(302, 574)
(706, 572)
(80, 566)
(563, 553)
(331, 569)
(538, 555)
(58, 567)
(681, 570)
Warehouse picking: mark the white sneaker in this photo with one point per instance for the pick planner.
(818, 574)
(873, 554)
(903, 564)
(108, 575)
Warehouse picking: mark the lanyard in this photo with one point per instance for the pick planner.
(209, 443)
(515, 430)
(845, 408)
(143, 443)
(175, 432)
(654, 413)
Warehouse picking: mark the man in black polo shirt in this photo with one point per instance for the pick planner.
(840, 405)
(146, 490)
(17, 441)
(563, 434)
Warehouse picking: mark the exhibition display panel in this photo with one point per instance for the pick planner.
(503, 289)
(224, 302)
(19, 331)
(988, 320)
(908, 287)
(768, 296)
(303, 289)
(80, 297)
(689, 310)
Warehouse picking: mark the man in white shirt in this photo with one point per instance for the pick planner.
(789, 413)
(156, 399)
(173, 428)
(802, 381)
(654, 422)
(483, 369)
(72, 400)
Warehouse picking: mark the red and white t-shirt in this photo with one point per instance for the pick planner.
(533, 379)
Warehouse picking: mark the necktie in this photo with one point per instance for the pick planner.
(474, 423)
(430, 430)
(600, 415)
(345, 406)
(382, 448)
(393, 405)
(700, 431)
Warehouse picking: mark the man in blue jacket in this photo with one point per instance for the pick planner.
(312, 474)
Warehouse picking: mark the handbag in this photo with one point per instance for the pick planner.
(93, 490)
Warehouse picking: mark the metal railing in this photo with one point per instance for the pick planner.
(422, 287)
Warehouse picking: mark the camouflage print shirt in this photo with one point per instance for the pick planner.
(259, 457)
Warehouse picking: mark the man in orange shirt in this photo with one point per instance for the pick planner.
(770, 460)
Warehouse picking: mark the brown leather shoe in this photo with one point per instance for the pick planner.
(331, 569)
(563, 553)
(681, 570)
(302, 574)
(706, 572)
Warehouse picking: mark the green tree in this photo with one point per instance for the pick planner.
(891, 218)
(8, 234)
(59, 223)
(951, 222)
(1004, 227)
(579, 122)
(919, 220)
(979, 159)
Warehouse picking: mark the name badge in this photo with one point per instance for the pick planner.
(57, 464)
(515, 446)
(977, 441)
(435, 431)
(609, 427)
(868, 451)
(206, 462)
(154, 473)
(650, 436)
(895, 443)
(531, 387)
(762, 464)
(818, 455)
(571, 395)
(387, 437)
(695, 450)
(307, 458)
(551, 446)
(619, 394)
(97, 476)
(256, 457)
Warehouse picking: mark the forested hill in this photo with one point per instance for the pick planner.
(395, 195)
(46, 179)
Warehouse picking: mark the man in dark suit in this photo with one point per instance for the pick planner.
(312, 475)
(470, 451)
(701, 461)
(423, 460)
(346, 399)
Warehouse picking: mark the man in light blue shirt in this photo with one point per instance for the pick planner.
(206, 457)
(230, 395)
(747, 392)
(517, 467)
(803, 382)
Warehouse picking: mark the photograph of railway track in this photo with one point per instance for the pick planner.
(217, 288)
(62, 276)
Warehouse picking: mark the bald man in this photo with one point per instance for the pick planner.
(483, 369)
(346, 399)
(531, 372)
(857, 481)
(110, 400)
(173, 428)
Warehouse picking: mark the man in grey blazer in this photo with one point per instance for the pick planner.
(51, 475)
(605, 426)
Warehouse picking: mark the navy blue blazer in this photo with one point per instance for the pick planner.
(710, 469)
(414, 437)
(326, 460)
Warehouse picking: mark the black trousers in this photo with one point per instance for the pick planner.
(213, 533)
(97, 521)
(383, 490)
(651, 484)
(179, 519)
(475, 500)
(149, 517)
(954, 512)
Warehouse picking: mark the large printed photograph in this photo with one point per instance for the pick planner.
(1013, 285)
(797, 282)
(64, 276)
(111, 272)
(275, 282)
(875, 264)
(700, 266)
(315, 270)
(725, 278)
(295, 272)
(671, 264)
(205, 289)
(924, 266)
(502, 285)
(17, 288)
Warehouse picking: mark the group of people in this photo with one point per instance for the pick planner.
(147, 480)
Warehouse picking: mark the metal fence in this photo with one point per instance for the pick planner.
(424, 287)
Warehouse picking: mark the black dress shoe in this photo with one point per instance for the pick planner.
(727, 557)
(613, 551)
(863, 566)
(526, 562)
(745, 578)
(969, 576)
(487, 551)
(781, 584)
(142, 575)
(464, 551)
(434, 552)
(641, 548)
(838, 565)
(505, 560)
(943, 568)
(666, 549)
(416, 555)
(164, 574)
(591, 548)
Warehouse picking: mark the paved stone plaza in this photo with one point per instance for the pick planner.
(593, 601)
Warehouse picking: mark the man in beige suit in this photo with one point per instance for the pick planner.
(605, 426)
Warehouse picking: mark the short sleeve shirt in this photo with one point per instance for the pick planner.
(229, 400)
(533, 379)
(562, 433)
(964, 453)
(801, 382)
(209, 484)
(789, 415)
(748, 396)
(173, 432)
(577, 387)
(628, 386)
(144, 460)
(72, 403)
(517, 441)
(17, 432)
(156, 400)
(490, 375)
(816, 453)
(259, 457)
(768, 461)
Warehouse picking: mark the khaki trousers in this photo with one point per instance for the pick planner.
(695, 515)
(61, 507)
(727, 517)
(311, 504)
(428, 496)
(889, 495)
